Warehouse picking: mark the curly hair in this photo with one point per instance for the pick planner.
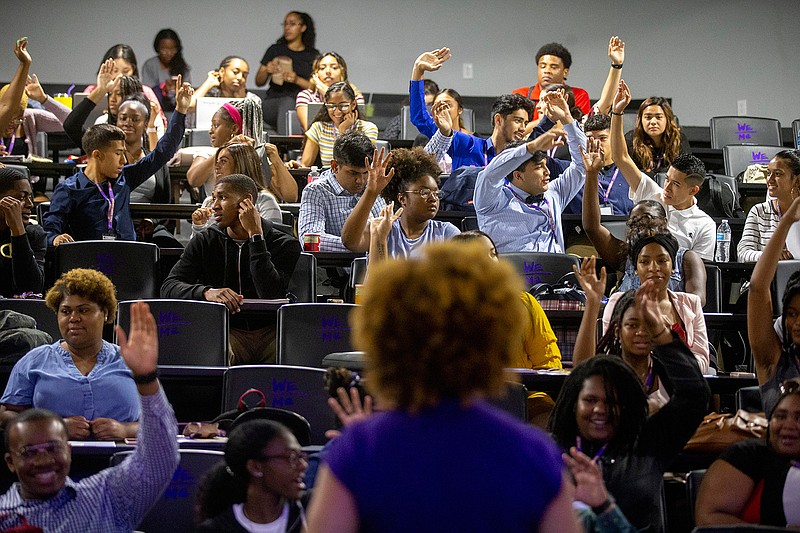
(644, 149)
(442, 325)
(646, 224)
(622, 387)
(555, 49)
(409, 166)
(23, 101)
(86, 283)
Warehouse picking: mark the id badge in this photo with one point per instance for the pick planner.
(111, 237)
(606, 209)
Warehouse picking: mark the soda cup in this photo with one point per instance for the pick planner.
(311, 242)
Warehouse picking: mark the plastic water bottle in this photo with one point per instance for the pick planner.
(314, 174)
(723, 254)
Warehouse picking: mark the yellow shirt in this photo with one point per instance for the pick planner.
(539, 348)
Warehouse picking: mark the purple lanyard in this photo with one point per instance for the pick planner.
(598, 455)
(552, 151)
(110, 199)
(610, 184)
(650, 378)
(548, 213)
(11, 144)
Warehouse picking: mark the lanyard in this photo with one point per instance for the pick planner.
(648, 383)
(110, 199)
(548, 213)
(552, 151)
(598, 455)
(610, 184)
(11, 144)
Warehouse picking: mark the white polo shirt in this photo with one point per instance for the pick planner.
(693, 228)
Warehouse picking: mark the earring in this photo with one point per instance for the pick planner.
(259, 474)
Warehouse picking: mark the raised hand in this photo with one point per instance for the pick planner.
(201, 215)
(349, 408)
(21, 51)
(622, 98)
(442, 118)
(593, 158)
(105, 76)
(589, 486)
(430, 61)
(378, 178)
(556, 107)
(381, 225)
(647, 302)
(593, 286)
(616, 50)
(139, 348)
(183, 95)
(34, 89)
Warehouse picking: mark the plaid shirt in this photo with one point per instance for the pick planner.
(324, 207)
(115, 499)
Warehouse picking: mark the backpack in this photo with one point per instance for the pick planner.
(459, 189)
(563, 295)
(718, 199)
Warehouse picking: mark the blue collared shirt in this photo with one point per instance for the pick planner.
(81, 210)
(515, 225)
(324, 207)
(466, 150)
(617, 192)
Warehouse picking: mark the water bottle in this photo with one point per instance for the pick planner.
(723, 254)
(314, 174)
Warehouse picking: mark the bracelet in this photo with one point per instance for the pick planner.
(147, 378)
(618, 114)
(617, 66)
(605, 506)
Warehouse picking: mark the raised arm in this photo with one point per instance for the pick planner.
(694, 275)
(764, 342)
(594, 287)
(619, 149)
(135, 485)
(379, 229)
(9, 104)
(75, 121)
(426, 62)
(355, 232)
(616, 53)
(607, 246)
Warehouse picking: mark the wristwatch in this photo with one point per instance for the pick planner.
(257, 238)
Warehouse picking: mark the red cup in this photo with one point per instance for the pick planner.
(311, 242)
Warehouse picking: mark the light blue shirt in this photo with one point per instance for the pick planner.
(46, 377)
(400, 246)
(502, 212)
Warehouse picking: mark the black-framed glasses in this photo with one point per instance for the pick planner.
(426, 193)
(50, 448)
(344, 106)
(293, 456)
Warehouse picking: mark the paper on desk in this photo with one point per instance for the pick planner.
(93, 443)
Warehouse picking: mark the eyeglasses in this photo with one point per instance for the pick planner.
(344, 106)
(53, 447)
(293, 456)
(290, 23)
(426, 193)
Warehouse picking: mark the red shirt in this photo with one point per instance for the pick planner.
(581, 97)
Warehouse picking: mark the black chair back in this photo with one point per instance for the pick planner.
(46, 319)
(303, 283)
(307, 332)
(190, 332)
(744, 130)
(541, 267)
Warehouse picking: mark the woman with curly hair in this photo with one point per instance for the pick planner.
(657, 139)
(438, 331)
(81, 377)
(601, 410)
(410, 178)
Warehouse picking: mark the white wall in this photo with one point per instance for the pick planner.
(706, 55)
